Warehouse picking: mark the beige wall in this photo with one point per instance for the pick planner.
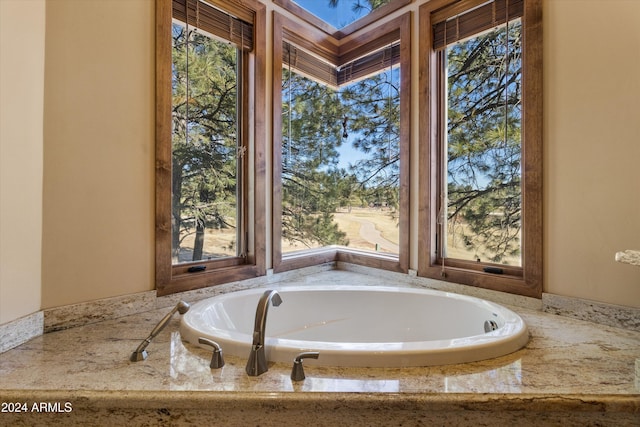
(22, 46)
(592, 148)
(99, 137)
(98, 150)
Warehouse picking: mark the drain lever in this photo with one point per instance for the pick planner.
(490, 325)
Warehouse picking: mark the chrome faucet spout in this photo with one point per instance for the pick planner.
(261, 314)
(257, 363)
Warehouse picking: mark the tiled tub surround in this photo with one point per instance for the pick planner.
(571, 372)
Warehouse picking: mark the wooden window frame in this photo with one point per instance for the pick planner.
(527, 280)
(176, 278)
(339, 52)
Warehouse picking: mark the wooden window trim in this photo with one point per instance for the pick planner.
(528, 281)
(170, 278)
(340, 53)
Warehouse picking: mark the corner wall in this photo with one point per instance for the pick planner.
(592, 148)
(22, 54)
(99, 128)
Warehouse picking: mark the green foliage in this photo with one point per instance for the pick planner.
(375, 119)
(311, 129)
(484, 143)
(316, 122)
(204, 140)
(361, 4)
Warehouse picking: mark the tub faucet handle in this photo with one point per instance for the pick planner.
(217, 361)
(297, 372)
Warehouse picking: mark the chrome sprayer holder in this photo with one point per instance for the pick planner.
(140, 353)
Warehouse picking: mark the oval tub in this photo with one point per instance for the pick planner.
(363, 326)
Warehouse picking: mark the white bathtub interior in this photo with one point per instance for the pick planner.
(363, 326)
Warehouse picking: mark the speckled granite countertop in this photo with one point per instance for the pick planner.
(629, 257)
(571, 370)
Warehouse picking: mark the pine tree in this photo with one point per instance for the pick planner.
(484, 141)
(204, 139)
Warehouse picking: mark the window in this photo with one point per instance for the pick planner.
(482, 145)
(481, 139)
(207, 226)
(340, 154)
(341, 127)
(207, 207)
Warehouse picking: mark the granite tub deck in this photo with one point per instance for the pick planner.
(571, 373)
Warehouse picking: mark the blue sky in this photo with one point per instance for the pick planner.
(339, 17)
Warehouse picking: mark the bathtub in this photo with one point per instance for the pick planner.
(362, 326)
